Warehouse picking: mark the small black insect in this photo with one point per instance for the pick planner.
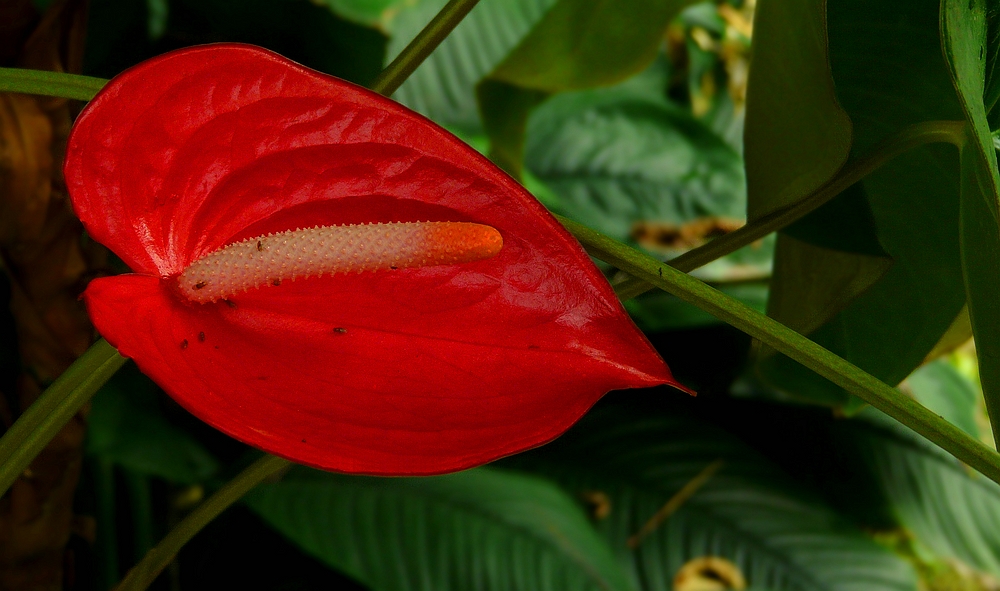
(340, 330)
(260, 246)
(200, 285)
(184, 344)
(201, 337)
(276, 282)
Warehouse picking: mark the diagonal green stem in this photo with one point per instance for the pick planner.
(836, 369)
(910, 137)
(40, 422)
(60, 84)
(157, 559)
(393, 76)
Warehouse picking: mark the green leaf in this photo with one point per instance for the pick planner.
(629, 461)
(443, 87)
(479, 529)
(941, 388)
(796, 136)
(127, 428)
(624, 158)
(372, 13)
(576, 45)
(616, 157)
(889, 73)
(952, 511)
(964, 27)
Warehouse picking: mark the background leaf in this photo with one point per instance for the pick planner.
(576, 45)
(780, 535)
(374, 13)
(941, 388)
(964, 26)
(890, 327)
(797, 136)
(127, 428)
(479, 529)
(630, 163)
(949, 509)
(442, 88)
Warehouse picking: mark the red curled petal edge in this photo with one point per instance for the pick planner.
(413, 371)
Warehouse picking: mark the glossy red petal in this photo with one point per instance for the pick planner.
(414, 371)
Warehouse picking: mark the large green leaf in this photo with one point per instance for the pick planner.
(948, 508)
(480, 529)
(126, 427)
(443, 86)
(889, 73)
(578, 44)
(964, 26)
(620, 156)
(625, 155)
(883, 474)
(796, 136)
(779, 535)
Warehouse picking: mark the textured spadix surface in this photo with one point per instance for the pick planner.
(408, 371)
(326, 250)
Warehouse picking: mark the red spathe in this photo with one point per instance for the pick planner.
(408, 371)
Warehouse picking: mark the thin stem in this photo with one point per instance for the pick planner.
(910, 137)
(675, 502)
(157, 559)
(785, 340)
(36, 427)
(59, 84)
(422, 45)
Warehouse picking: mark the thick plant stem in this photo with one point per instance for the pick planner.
(910, 137)
(40, 422)
(157, 559)
(60, 84)
(785, 340)
(422, 45)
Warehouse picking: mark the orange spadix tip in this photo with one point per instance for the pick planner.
(467, 241)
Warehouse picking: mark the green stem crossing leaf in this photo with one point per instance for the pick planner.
(422, 45)
(797, 347)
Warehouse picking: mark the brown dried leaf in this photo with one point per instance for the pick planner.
(48, 263)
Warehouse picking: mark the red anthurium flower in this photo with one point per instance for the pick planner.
(243, 190)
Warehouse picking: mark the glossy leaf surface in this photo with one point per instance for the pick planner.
(411, 371)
